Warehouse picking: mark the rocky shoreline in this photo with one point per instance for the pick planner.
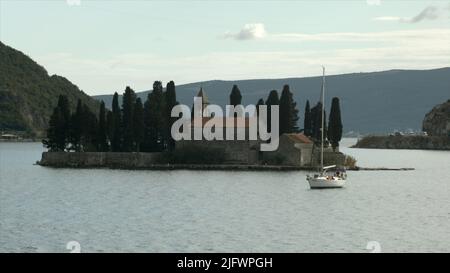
(404, 142)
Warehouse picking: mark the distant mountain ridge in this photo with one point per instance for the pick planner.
(28, 94)
(375, 102)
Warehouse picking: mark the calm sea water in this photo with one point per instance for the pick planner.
(41, 209)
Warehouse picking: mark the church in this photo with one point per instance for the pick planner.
(294, 149)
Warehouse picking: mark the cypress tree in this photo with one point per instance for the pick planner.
(285, 111)
(335, 124)
(235, 96)
(288, 112)
(89, 136)
(109, 128)
(116, 138)
(260, 102)
(307, 120)
(316, 121)
(295, 117)
(128, 101)
(75, 129)
(64, 106)
(102, 129)
(55, 140)
(149, 141)
(155, 119)
(171, 101)
(58, 135)
(138, 124)
(272, 99)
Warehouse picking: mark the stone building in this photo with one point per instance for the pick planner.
(236, 151)
(294, 149)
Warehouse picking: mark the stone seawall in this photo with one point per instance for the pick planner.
(404, 142)
(99, 160)
(234, 151)
(141, 161)
(149, 161)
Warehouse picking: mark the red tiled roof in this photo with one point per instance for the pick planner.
(299, 138)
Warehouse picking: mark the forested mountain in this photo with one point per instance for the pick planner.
(28, 94)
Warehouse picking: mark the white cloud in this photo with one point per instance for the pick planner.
(249, 32)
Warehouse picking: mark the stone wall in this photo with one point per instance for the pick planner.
(97, 159)
(290, 155)
(329, 157)
(306, 153)
(242, 151)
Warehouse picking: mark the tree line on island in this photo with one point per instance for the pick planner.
(136, 126)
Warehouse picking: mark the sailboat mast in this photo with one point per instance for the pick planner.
(323, 121)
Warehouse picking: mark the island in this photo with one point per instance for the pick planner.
(435, 136)
(138, 135)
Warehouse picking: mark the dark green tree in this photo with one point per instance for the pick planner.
(138, 124)
(272, 99)
(102, 129)
(109, 128)
(155, 119)
(288, 112)
(335, 124)
(64, 106)
(260, 102)
(235, 96)
(116, 137)
(56, 139)
(316, 121)
(89, 135)
(128, 101)
(75, 129)
(171, 101)
(307, 120)
(295, 117)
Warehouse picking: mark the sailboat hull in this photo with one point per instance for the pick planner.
(324, 183)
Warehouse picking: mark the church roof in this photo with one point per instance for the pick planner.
(299, 138)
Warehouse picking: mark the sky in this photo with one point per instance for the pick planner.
(104, 46)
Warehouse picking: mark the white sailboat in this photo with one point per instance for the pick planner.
(326, 178)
